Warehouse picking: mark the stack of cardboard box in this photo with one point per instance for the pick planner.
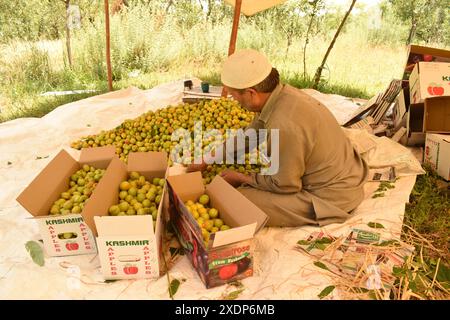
(423, 106)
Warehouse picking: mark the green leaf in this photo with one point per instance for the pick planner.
(36, 252)
(398, 272)
(233, 295)
(324, 240)
(320, 246)
(386, 243)
(321, 265)
(378, 195)
(236, 283)
(303, 242)
(443, 275)
(413, 286)
(326, 292)
(375, 225)
(373, 295)
(173, 288)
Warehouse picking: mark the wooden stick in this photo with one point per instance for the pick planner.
(234, 30)
(108, 48)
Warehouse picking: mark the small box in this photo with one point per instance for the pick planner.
(46, 188)
(437, 153)
(429, 79)
(129, 247)
(229, 254)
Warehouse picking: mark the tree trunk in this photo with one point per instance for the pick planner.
(69, 50)
(319, 69)
(170, 3)
(412, 31)
(313, 14)
(210, 4)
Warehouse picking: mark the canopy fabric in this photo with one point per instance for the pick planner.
(251, 7)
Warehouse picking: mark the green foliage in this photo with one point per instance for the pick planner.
(158, 41)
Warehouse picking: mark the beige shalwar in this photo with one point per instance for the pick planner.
(320, 177)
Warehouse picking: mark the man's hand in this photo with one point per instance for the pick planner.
(197, 167)
(235, 178)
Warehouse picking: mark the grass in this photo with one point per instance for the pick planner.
(426, 275)
(149, 49)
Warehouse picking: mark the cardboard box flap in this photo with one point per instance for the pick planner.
(149, 164)
(105, 194)
(97, 157)
(234, 235)
(51, 181)
(116, 226)
(233, 206)
(187, 186)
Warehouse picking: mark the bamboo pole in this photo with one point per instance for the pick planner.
(108, 48)
(234, 30)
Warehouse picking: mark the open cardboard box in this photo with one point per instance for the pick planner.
(420, 53)
(429, 79)
(47, 187)
(229, 254)
(432, 116)
(128, 246)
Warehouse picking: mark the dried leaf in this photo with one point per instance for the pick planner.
(326, 292)
(88, 125)
(173, 288)
(233, 295)
(375, 225)
(9, 163)
(36, 252)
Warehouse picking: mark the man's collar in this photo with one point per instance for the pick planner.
(268, 106)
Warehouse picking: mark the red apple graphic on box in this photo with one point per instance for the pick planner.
(130, 269)
(435, 89)
(228, 271)
(72, 246)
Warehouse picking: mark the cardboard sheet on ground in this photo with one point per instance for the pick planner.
(26, 146)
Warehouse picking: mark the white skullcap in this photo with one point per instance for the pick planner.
(244, 69)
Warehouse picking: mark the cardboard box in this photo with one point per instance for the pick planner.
(429, 79)
(400, 108)
(229, 255)
(128, 246)
(415, 135)
(47, 187)
(437, 153)
(420, 53)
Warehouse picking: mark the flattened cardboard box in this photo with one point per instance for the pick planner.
(429, 79)
(229, 254)
(47, 187)
(437, 153)
(128, 246)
